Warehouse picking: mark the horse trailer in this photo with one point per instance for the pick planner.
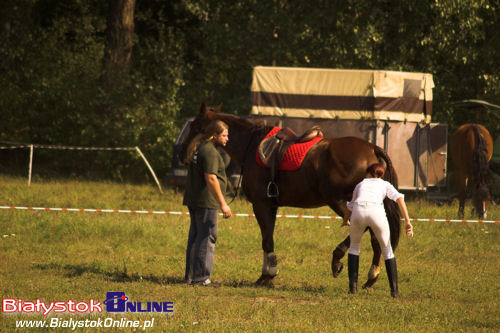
(389, 109)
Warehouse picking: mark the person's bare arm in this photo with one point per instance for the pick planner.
(214, 188)
(404, 210)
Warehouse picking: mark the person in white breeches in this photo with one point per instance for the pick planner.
(368, 211)
(370, 215)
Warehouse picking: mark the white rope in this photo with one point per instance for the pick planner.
(131, 211)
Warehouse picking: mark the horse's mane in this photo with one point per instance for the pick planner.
(480, 165)
(254, 125)
(259, 123)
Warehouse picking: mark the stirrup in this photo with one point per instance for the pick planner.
(272, 190)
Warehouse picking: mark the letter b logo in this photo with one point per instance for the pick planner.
(115, 301)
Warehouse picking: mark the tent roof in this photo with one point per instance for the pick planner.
(341, 93)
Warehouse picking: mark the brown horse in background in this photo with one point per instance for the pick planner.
(327, 176)
(471, 148)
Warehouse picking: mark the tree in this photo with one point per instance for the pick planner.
(128, 73)
(119, 43)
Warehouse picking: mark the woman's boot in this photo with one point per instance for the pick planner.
(392, 274)
(352, 267)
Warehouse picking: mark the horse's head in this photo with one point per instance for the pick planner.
(480, 198)
(197, 126)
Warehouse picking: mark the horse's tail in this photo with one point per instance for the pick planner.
(480, 163)
(391, 207)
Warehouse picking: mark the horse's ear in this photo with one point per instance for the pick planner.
(218, 108)
(203, 108)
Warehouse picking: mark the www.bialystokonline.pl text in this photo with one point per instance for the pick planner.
(86, 323)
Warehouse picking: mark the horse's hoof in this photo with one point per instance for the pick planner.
(369, 284)
(265, 281)
(337, 268)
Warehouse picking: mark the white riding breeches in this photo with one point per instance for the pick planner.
(366, 214)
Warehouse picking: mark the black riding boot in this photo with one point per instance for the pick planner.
(392, 274)
(352, 268)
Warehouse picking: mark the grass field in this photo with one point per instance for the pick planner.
(448, 273)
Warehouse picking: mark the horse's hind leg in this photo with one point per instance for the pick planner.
(338, 254)
(461, 203)
(266, 216)
(341, 250)
(462, 196)
(374, 271)
(340, 208)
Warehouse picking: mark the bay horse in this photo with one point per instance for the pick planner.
(327, 176)
(471, 148)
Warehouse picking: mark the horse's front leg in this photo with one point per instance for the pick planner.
(374, 271)
(266, 217)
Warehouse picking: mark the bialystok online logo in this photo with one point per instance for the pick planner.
(116, 302)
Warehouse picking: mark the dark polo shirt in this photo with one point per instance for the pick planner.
(206, 160)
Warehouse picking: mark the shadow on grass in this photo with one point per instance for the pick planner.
(116, 275)
(249, 284)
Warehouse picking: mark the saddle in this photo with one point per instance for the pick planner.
(274, 147)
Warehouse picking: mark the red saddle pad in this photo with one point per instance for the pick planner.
(294, 155)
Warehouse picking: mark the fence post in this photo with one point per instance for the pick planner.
(31, 165)
(149, 167)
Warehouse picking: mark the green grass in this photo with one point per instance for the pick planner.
(448, 272)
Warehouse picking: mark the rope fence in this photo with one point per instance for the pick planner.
(161, 212)
(66, 147)
(80, 148)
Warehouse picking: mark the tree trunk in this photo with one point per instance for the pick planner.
(119, 42)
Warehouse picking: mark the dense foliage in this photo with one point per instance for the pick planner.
(186, 52)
